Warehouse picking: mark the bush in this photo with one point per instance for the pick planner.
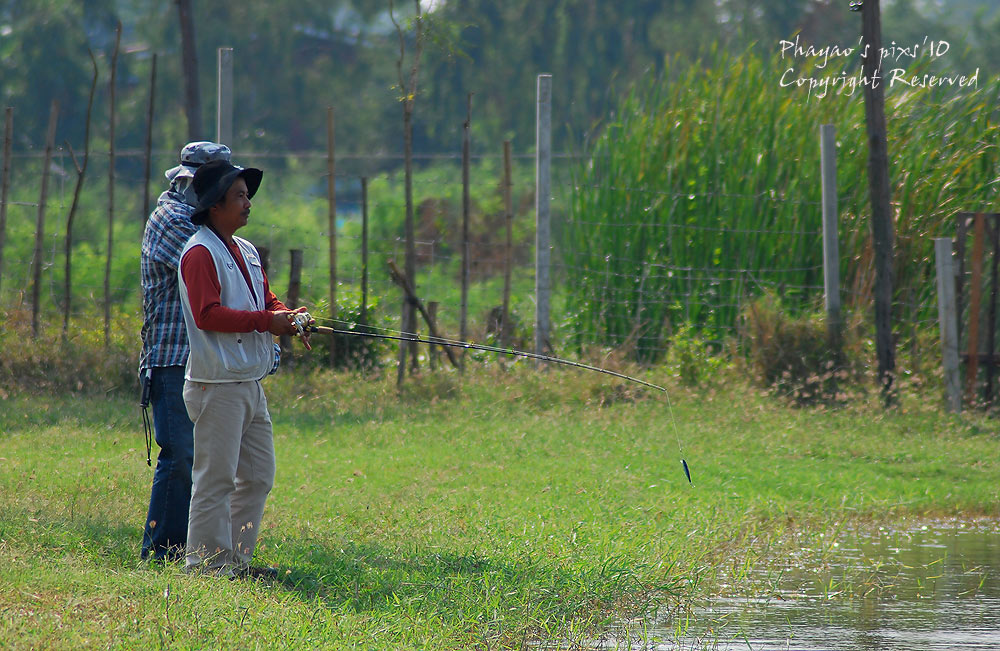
(793, 357)
(80, 362)
(352, 352)
(691, 359)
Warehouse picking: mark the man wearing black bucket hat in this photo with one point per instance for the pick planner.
(230, 314)
(165, 352)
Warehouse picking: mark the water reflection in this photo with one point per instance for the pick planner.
(934, 587)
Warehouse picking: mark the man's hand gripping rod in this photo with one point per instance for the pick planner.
(304, 324)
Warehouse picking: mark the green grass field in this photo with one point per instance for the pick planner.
(496, 510)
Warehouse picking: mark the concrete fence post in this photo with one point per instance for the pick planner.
(831, 246)
(948, 322)
(224, 103)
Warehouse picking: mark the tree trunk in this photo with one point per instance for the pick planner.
(192, 95)
(409, 89)
(148, 150)
(36, 265)
(81, 171)
(331, 198)
(410, 264)
(463, 325)
(878, 183)
(111, 186)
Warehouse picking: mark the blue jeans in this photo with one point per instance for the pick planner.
(165, 533)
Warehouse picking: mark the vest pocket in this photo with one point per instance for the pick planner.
(234, 354)
(256, 278)
(243, 350)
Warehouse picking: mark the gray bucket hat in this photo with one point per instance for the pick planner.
(212, 181)
(196, 154)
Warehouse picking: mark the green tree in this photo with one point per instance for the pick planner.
(295, 58)
(592, 49)
(290, 64)
(43, 57)
(969, 26)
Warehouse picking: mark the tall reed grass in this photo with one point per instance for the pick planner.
(704, 190)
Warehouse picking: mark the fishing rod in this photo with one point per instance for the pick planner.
(304, 323)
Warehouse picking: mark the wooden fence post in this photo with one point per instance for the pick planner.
(543, 192)
(364, 250)
(8, 134)
(432, 350)
(508, 259)
(50, 139)
(111, 186)
(292, 296)
(948, 321)
(331, 192)
(264, 253)
(149, 142)
(975, 296)
(991, 331)
(463, 329)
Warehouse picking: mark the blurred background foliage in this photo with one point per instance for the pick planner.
(293, 59)
(666, 113)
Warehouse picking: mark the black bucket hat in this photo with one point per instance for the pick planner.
(212, 181)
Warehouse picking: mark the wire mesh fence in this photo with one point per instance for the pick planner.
(667, 282)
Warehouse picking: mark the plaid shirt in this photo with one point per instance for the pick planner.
(164, 339)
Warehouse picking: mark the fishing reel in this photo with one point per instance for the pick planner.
(303, 323)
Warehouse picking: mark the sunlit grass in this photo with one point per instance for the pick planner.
(487, 510)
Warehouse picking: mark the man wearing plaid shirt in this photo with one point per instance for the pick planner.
(165, 352)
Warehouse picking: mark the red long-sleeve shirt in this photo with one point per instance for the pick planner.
(204, 294)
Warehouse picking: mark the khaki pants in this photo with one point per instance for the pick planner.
(233, 473)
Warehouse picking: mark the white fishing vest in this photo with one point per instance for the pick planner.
(227, 356)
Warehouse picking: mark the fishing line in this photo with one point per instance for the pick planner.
(305, 322)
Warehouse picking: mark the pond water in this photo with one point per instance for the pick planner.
(932, 587)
